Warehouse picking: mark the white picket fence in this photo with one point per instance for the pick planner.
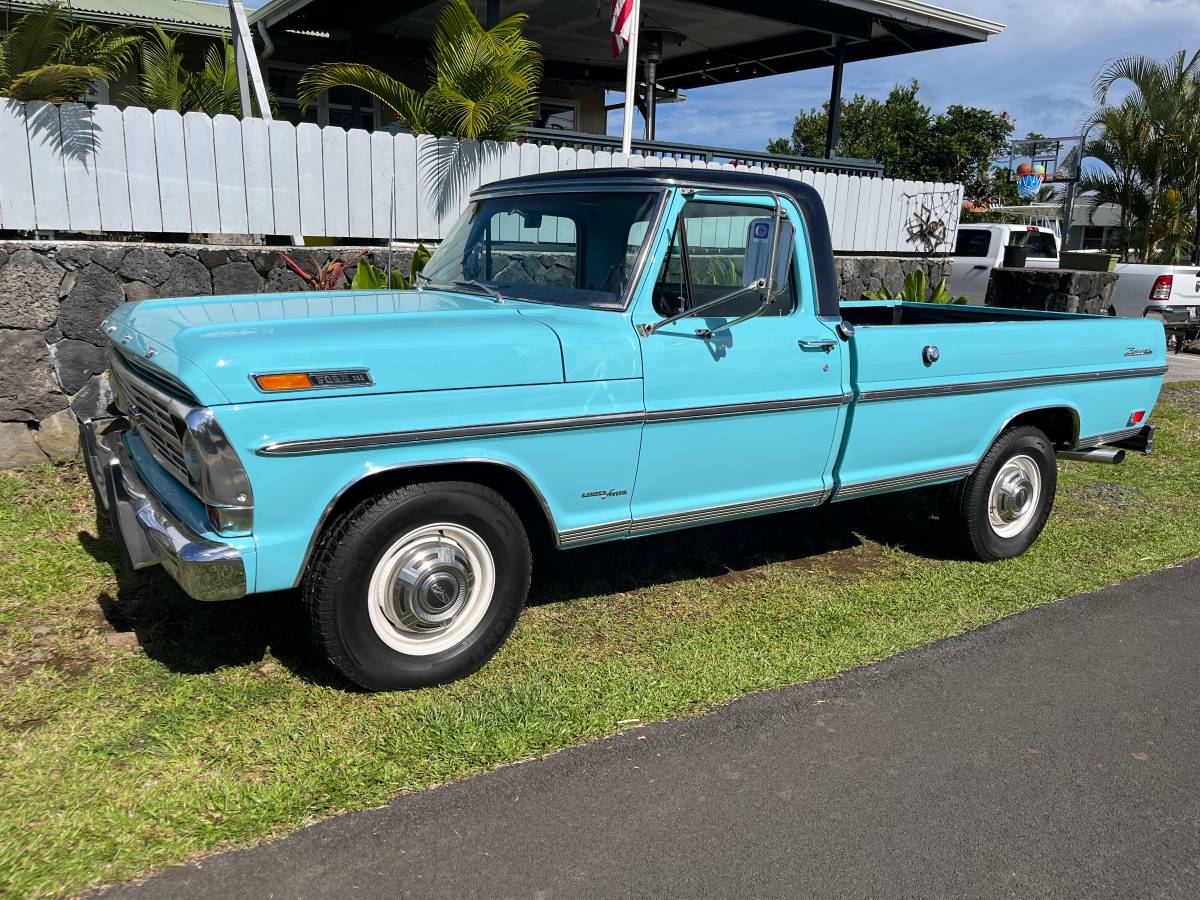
(104, 169)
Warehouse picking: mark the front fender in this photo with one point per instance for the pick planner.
(293, 492)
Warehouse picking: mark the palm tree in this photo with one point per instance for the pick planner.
(166, 84)
(1122, 146)
(48, 56)
(483, 82)
(1165, 99)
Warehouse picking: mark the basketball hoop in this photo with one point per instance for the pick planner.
(1029, 180)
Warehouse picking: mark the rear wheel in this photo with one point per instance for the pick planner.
(418, 586)
(1003, 506)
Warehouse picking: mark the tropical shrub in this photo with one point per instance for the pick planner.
(166, 84)
(483, 82)
(49, 56)
(369, 278)
(913, 291)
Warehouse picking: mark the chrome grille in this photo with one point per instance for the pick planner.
(157, 416)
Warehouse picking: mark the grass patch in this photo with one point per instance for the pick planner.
(138, 729)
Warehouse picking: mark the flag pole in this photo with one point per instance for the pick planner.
(631, 77)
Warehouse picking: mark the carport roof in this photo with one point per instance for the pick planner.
(726, 40)
(192, 16)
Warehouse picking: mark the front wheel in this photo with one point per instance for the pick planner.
(418, 586)
(1003, 506)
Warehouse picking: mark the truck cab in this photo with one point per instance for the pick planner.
(589, 356)
(980, 248)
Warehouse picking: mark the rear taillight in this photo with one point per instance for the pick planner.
(1162, 287)
(1137, 417)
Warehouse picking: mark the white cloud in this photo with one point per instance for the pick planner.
(1040, 70)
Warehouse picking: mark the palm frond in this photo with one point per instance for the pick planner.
(34, 38)
(55, 83)
(161, 84)
(47, 56)
(483, 82)
(407, 104)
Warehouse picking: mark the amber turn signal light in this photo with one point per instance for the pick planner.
(284, 381)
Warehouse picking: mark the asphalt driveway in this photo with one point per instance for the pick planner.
(1053, 754)
(1183, 367)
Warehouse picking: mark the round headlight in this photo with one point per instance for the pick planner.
(191, 458)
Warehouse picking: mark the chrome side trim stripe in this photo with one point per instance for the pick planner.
(651, 524)
(426, 435)
(1096, 440)
(746, 409)
(902, 482)
(730, 511)
(591, 534)
(979, 387)
(540, 426)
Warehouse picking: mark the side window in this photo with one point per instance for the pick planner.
(528, 249)
(972, 242)
(708, 252)
(1040, 244)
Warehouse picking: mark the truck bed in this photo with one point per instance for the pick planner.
(932, 395)
(894, 312)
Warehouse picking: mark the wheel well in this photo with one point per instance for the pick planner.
(1060, 424)
(507, 482)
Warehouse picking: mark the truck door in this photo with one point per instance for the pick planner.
(976, 253)
(742, 421)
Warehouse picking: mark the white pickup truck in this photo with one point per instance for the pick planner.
(1171, 292)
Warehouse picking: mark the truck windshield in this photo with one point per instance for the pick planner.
(569, 249)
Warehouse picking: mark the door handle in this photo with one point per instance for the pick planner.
(823, 344)
(979, 268)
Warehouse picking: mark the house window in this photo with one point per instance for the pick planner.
(557, 115)
(346, 107)
(1094, 237)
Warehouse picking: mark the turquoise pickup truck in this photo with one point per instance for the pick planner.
(590, 356)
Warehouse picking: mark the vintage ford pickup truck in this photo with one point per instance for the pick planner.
(590, 356)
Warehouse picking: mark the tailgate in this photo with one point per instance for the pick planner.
(1185, 289)
(1183, 307)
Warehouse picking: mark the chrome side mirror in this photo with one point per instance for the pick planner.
(761, 249)
(770, 243)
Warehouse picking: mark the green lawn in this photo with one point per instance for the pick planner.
(138, 729)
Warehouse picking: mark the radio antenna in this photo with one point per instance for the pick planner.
(391, 230)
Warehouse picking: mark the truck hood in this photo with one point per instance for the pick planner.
(407, 340)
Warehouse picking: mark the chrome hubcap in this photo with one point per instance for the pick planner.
(431, 588)
(1015, 494)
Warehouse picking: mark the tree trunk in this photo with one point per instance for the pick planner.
(1196, 233)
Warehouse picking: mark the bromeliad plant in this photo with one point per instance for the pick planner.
(327, 276)
(483, 82)
(914, 289)
(369, 278)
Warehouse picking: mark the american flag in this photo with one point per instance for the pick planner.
(622, 24)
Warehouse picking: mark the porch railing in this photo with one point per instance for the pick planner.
(579, 140)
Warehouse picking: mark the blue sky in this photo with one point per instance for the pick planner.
(1040, 70)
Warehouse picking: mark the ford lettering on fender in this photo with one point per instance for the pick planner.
(590, 356)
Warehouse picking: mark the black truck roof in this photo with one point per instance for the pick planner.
(804, 196)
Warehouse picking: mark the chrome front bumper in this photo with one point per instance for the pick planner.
(148, 533)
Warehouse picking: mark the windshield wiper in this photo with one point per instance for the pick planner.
(486, 288)
(424, 284)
